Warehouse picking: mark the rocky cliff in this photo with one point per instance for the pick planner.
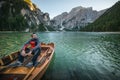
(22, 15)
(76, 19)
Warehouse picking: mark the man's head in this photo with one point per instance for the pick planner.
(34, 35)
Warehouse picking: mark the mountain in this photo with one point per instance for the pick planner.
(109, 21)
(76, 19)
(22, 15)
(56, 23)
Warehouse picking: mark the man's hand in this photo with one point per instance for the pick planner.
(23, 53)
(29, 54)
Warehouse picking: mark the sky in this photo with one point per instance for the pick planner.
(56, 7)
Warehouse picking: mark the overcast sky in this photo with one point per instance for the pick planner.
(56, 7)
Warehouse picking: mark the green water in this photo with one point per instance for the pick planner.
(83, 56)
(78, 55)
(11, 42)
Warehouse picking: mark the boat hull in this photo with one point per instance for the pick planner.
(26, 73)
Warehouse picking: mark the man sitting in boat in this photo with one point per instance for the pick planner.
(32, 47)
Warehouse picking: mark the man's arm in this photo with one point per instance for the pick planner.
(23, 47)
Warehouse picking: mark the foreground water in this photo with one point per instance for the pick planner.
(78, 55)
(83, 56)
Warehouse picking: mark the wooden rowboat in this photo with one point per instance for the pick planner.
(23, 72)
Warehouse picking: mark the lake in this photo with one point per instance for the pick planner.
(83, 55)
(78, 55)
(12, 41)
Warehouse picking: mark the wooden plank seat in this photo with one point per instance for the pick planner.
(12, 76)
(8, 59)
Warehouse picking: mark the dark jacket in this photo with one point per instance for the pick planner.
(37, 44)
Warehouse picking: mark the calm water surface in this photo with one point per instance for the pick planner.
(83, 56)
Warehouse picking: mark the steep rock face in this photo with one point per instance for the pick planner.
(77, 18)
(58, 20)
(22, 15)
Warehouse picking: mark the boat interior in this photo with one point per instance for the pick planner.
(9, 73)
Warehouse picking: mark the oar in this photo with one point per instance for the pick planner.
(39, 61)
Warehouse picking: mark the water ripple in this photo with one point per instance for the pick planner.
(84, 56)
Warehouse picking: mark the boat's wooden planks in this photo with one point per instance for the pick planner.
(44, 51)
(12, 76)
(40, 69)
(16, 70)
(8, 59)
(26, 73)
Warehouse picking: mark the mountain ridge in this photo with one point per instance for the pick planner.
(109, 21)
(78, 17)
